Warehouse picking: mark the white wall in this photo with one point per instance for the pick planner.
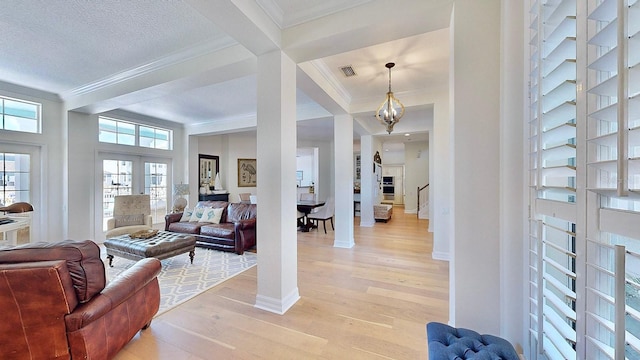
(514, 154)
(305, 164)
(392, 157)
(416, 170)
(475, 269)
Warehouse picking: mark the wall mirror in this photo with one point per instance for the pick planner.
(209, 167)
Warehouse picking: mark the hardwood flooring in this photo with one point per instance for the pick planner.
(369, 302)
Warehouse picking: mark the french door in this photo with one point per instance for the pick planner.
(127, 175)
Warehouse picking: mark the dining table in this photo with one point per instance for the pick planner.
(305, 207)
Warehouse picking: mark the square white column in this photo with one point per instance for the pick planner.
(276, 183)
(343, 142)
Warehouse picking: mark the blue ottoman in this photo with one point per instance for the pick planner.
(446, 342)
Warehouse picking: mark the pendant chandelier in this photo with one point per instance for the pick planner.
(391, 109)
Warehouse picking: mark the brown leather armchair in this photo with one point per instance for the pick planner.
(55, 304)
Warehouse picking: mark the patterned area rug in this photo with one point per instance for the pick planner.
(180, 280)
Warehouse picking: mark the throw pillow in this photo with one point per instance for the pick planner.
(128, 220)
(186, 214)
(197, 214)
(212, 215)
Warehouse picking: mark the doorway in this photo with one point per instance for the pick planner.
(127, 175)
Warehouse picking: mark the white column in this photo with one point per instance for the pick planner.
(367, 190)
(276, 184)
(474, 271)
(440, 155)
(343, 142)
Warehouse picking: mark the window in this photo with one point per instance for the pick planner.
(14, 178)
(154, 137)
(584, 163)
(20, 115)
(155, 184)
(552, 166)
(127, 133)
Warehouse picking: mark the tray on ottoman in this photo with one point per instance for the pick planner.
(163, 245)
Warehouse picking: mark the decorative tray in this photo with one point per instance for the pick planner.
(143, 234)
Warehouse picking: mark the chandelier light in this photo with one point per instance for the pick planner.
(391, 109)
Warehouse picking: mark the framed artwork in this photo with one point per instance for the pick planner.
(209, 166)
(247, 173)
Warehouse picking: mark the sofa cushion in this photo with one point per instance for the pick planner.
(186, 214)
(82, 258)
(222, 230)
(212, 215)
(240, 211)
(185, 227)
(216, 205)
(197, 214)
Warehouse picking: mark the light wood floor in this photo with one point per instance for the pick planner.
(369, 302)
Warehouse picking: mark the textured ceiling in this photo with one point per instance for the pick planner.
(194, 61)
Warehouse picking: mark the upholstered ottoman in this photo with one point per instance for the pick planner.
(163, 245)
(446, 342)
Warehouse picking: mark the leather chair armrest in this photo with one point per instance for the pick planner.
(115, 293)
(171, 218)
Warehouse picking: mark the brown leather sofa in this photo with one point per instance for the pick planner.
(235, 232)
(55, 304)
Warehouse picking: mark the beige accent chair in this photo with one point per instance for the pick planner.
(244, 197)
(131, 213)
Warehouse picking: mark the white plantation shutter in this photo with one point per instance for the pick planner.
(584, 162)
(552, 270)
(613, 140)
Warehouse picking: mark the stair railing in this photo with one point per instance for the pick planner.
(419, 190)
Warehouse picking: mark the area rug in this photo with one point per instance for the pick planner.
(180, 280)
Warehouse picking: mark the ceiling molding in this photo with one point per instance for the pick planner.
(172, 59)
(327, 75)
(274, 11)
(313, 13)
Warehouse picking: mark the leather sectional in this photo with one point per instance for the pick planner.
(235, 232)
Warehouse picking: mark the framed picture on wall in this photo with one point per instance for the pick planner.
(209, 167)
(247, 173)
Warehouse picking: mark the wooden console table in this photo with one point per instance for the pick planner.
(214, 197)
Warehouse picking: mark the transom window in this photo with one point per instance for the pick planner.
(20, 115)
(128, 133)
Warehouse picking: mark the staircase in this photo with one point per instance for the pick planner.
(423, 202)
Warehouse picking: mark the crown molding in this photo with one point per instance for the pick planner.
(172, 59)
(327, 75)
(274, 11)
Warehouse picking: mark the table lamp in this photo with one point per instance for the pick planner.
(179, 201)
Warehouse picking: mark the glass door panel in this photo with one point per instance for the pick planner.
(156, 184)
(117, 179)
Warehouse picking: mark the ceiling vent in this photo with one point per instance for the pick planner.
(348, 71)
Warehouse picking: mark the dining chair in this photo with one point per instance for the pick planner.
(323, 213)
(244, 197)
(307, 197)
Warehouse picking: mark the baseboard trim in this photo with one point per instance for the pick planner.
(278, 306)
(343, 244)
(438, 255)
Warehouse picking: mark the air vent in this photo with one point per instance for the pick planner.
(348, 71)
